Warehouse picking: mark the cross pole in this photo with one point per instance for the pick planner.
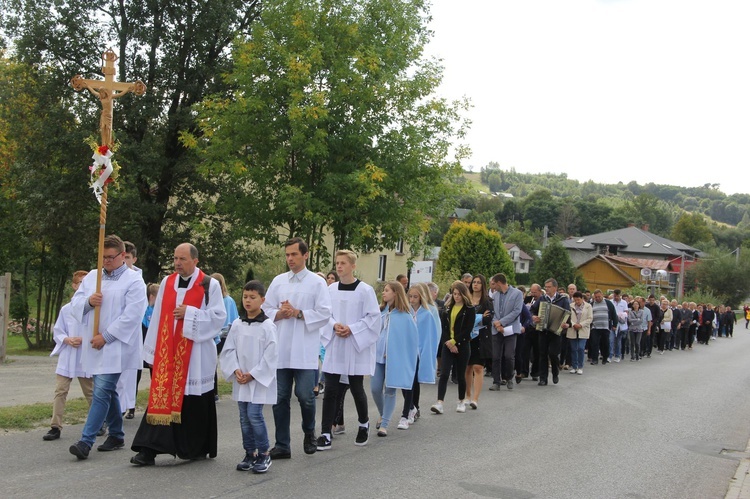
(107, 91)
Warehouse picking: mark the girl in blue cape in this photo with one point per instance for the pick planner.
(395, 353)
(428, 327)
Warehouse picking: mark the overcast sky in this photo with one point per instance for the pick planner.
(608, 90)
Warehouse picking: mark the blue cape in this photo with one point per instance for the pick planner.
(429, 336)
(402, 350)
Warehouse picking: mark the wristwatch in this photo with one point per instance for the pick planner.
(299, 315)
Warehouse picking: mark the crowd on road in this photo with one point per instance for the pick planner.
(304, 323)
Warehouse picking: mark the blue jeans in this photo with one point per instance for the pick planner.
(577, 347)
(253, 426)
(615, 342)
(384, 397)
(105, 405)
(304, 382)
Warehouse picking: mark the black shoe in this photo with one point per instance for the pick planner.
(323, 443)
(143, 458)
(277, 453)
(80, 450)
(111, 443)
(542, 382)
(519, 379)
(503, 382)
(363, 436)
(102, 430)
(308, 444)
(52, 434)
(247, 463)
(510, 384)
(535, 378)
(555, 378)
(130, 414)
(593, 363)
(605, 362)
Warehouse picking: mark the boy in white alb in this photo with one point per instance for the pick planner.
(69, 336)
(349, 341)
(249, 358)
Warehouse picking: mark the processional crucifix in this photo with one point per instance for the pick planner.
(107, 91)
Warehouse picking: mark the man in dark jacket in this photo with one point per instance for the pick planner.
(549, 341)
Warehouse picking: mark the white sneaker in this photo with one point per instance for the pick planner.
(412, 416)
(473, 404)
(461, 407)
(403, 424)
(437, 408)
(572, 371)
(579, 371)
(617, 359)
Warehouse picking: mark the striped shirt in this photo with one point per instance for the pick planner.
(601, 315)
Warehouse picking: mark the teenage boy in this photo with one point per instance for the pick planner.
(69, 336)
(349, 341)
(249, 359)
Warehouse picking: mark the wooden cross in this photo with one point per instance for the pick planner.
(107, 91)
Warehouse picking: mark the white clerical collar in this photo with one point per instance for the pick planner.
(299, 276)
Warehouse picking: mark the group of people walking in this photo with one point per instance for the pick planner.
(271, 349)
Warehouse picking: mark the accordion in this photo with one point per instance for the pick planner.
(552, 317)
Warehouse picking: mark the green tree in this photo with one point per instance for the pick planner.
(333, 126)
(647, 209)
(540, 209)
(725, 276)
(556, 263)
(691, 229)
(470, 247)
(43, 219)
(180, 50)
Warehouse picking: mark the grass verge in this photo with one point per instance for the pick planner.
(17, 346)
(26, 417)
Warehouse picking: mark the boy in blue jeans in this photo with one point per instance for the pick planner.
(249, 359)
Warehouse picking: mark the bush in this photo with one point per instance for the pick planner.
(473, 248)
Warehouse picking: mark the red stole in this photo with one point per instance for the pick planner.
(172, 356)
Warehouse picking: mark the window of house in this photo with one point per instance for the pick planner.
(381, 267)
(400, 246)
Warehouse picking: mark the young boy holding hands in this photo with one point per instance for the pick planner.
(249, 359)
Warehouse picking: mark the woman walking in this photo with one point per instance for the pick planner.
(457, 323)
(636, 324)
(396, 353)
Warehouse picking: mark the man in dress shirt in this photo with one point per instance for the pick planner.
(300, 305)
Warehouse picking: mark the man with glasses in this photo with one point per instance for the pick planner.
(549, 342)
(115, 346)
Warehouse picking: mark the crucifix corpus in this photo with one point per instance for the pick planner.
(107, 91)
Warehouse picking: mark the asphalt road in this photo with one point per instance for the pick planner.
(673, 426)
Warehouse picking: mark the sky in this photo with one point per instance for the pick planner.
(604, 90)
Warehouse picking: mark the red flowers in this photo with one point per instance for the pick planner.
(103, 150)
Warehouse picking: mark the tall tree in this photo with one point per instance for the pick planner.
(180, 50)
(333, 126)
(556, 263)
(470, 247)
(691, 229)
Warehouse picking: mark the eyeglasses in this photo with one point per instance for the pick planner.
(110, 258)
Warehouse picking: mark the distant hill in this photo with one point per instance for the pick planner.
(733, 210)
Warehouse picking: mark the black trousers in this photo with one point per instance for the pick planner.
(599, 342)
(522, 359)
(330, 400)
(531, 351)
(503, 357)
(549, 353)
